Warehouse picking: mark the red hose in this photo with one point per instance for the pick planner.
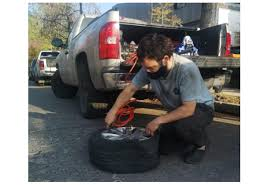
(126, 110)
(131, 60)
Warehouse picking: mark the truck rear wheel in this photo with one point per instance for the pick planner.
(93, 104)
(60, 89)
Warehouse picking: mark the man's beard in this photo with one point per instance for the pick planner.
(162, 72)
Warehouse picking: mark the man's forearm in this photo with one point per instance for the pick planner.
(122, 99)
(179, 113)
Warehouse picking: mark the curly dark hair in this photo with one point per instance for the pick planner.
(154, 46)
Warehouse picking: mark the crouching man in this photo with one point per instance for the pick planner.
(179, 86)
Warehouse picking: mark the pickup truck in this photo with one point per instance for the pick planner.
(90, 63)
(44, 67)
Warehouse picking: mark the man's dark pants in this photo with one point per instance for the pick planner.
(190, 130)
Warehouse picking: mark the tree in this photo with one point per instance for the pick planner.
(209, 14)
(162, 13)
(50, 20)
(91, 9)
(57, 18)
(36, 41)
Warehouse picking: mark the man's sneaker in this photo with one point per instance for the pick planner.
(187, 149)
(195, 155)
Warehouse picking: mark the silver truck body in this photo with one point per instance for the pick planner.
(105, 74)
(87, 42)
(49, 66)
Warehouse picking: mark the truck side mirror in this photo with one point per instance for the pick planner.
(57, 42)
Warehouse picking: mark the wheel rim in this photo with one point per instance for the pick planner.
(121, 133)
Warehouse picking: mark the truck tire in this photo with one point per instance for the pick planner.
(30, 77)
(60, 89)
(127, 155)
(93, 104)
(36, 80)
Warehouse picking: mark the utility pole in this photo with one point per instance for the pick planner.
(80, 8)
(151, 12)
(161, 12)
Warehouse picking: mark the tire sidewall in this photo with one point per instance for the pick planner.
(124, 156)
(88, 95)
(60, 89)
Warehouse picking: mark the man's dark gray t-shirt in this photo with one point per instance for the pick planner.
(183, 83)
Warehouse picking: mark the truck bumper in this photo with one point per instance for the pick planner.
(117, 80)
(46, 74)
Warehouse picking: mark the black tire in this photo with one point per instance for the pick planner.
(60, 89)
(36, 80)
(123, 156)
(30, 77)
(93, 104)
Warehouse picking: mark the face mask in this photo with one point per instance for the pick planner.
(162, 72)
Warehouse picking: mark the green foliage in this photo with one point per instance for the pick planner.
(163, 14)
(36, 41)
(56, 19)
(49, 20)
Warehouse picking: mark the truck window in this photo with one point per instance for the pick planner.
(49, 54)
(50, 61)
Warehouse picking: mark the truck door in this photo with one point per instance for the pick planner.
(211, 41)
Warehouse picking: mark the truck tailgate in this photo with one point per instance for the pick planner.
(215, 61)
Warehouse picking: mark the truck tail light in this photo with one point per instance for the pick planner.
(228, 44)
(109, 47)
(41, 64)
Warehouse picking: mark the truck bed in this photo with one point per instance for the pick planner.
(215, 61)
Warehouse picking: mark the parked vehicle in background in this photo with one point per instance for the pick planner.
(31, 69)
(45, 66)
(94, 63)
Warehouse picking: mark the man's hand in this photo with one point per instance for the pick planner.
(110, 118)
(121, 100)
(152, 126)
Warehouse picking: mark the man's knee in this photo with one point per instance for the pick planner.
(202, 117)
(167, 129)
